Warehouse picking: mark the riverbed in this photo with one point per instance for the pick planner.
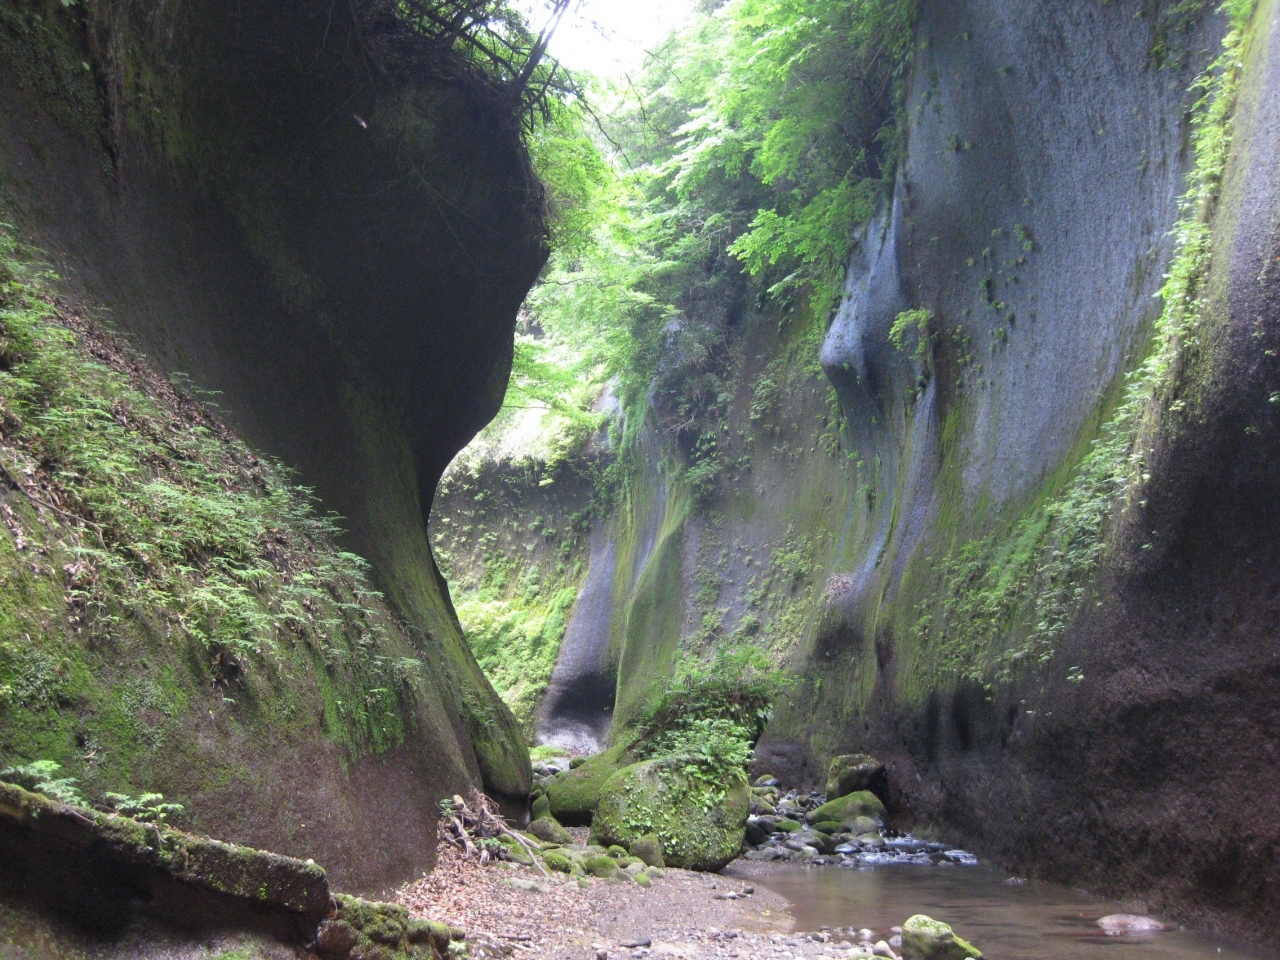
(1007, 917)
(782, 911)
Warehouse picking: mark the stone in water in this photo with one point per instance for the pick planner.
(1119, 924)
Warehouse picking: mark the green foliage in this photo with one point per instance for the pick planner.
(545, 751)
(138, 531)
(516, 640)
(759, 137)
(148, 807)
(171, 516)
(39, 777)
(812, 92)
(710, 748)
(734, 693)
(912, 322)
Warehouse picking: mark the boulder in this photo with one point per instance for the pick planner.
(813, 838)
(862, 825)
(924, 938)
(854, 772)
(549, 830)
(572, 796)
(846, 810)
(602, 866)
(756, 833)
(700, 827)
(1122, 924)
(649, 850)
(561, 863)
(541, 807)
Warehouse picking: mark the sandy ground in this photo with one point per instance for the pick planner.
(683, 915)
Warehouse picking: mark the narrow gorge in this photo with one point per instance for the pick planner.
(437, 472)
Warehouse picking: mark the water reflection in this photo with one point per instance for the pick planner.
(1005, 918)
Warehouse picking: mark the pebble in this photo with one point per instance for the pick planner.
(882, 949)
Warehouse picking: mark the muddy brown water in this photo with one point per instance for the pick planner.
(1005, 918)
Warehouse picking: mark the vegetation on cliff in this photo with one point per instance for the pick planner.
(730, 177)
(141, 531)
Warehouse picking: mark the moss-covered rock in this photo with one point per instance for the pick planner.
(853, 772)
(700, 827)
(549, 830)
(265, 880)
(572, 795)
(561, 862)
(366, 930)
(648, 849)
(924, 938)
(846, 810)
(541, 807)
(602, 866)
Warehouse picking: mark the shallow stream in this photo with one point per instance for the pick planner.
(1006, 918)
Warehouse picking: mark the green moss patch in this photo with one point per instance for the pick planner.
(573, 794)
(699, 827)
(848, 810)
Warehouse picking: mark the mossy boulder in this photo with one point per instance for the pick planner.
(854, 772)
(541, 807)
(924, 938)
(366, 929)
(699, 827)
(550, 831)
(648, 849)
(572, 795)
(602, 866)
(560, 862)
(846, 810)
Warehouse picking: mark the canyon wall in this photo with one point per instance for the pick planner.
(326, 223)
(1006, 517)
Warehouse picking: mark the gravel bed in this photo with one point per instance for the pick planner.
(513, 911)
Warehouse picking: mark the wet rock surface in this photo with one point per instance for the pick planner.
(924, 938)
(846, 831)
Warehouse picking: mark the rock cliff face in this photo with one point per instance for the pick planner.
(1084, 556)
(318, 214)
(1027, 559)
